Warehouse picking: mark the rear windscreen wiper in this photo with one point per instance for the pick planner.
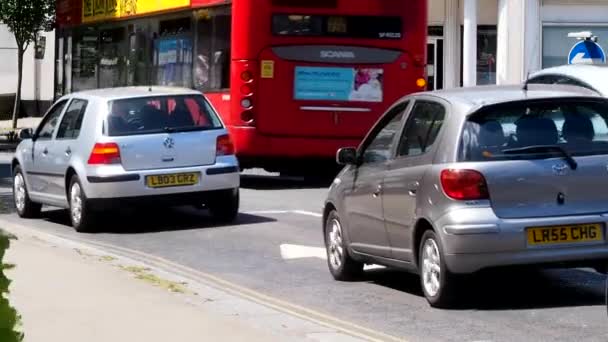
(544, 149)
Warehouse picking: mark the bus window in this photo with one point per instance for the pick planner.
(212, 63)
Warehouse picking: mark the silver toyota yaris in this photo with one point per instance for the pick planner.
(107, 148)
(452, 182)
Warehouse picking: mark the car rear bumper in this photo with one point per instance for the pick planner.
(113, 182)
(486, 241)
(169, 200)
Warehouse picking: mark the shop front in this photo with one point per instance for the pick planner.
(115, 43)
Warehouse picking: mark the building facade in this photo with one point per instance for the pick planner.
(37, 90)
(477, 42)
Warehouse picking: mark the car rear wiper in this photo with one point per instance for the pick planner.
(544, 149)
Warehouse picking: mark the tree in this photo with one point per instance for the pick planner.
(25, 19)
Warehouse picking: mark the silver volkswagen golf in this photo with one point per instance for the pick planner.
(452, 182)
(102, 149)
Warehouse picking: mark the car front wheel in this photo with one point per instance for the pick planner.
(341, 265)
(25, 207)
(81, 214)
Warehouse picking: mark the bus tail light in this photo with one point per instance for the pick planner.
(247, 116)
(105, 154)
(246, 76)
(246, 103)
(464, 185)
(224, 146)
(246, 89)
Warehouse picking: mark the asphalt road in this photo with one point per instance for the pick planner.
(506, 305)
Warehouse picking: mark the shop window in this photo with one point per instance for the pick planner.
(173, 53)
(84, 59)
(486, 54)
(557, 45)
(112, 62)
(212, 64)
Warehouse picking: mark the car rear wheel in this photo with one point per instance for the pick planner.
(438, 283)
(25, 207)
(341, 265)
(81, 214)
(225, 208)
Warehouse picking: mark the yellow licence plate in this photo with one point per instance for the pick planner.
(176, 179)
(576, 233)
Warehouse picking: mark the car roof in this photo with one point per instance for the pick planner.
(592, 74)
(128, 92)
(470, 99)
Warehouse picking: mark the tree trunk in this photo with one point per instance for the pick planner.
(17, 106)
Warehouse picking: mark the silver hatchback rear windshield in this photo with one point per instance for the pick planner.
(536, 129)
(156, 114)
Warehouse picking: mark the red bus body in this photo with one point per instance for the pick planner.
(278, 131)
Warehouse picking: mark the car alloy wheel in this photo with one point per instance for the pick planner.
(76, 203)
(20, 193)
(431, 267)
(336, 247)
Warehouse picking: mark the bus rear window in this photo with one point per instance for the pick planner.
(366, 27)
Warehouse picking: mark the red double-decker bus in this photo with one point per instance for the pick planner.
(311, 76)
(294, 80)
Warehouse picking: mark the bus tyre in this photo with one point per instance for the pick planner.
(25, 207)
(341, 265)
(81, 214)
(438, 283)
(225, 207)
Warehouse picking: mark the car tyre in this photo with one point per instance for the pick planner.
(438, 283)
(225, 208)
(24, 205)
(341, 265)
(81, 214)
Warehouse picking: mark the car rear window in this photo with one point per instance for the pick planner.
(150, 115)
(536, 129)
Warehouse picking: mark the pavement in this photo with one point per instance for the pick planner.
(71, 292)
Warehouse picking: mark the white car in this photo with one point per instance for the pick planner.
(590, 76)
(102, 149)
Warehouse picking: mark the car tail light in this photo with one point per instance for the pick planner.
(105, 153)
(464, 185)
(224, 146)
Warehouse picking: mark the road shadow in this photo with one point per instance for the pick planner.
(511, 288)
(154, 220)
(271, 182)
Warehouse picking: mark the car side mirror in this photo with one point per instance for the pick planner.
(26, 133)
(347, 156)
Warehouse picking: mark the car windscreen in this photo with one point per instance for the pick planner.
(536, 129)
(156, 114)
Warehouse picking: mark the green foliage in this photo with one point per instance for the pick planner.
(25, 18)
(10, 320)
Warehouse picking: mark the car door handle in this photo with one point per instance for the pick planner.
(378, 191)
(45, 151)
(68, 151)
(413, 188)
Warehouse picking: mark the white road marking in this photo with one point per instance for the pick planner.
(283, 212)
(289, 252)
